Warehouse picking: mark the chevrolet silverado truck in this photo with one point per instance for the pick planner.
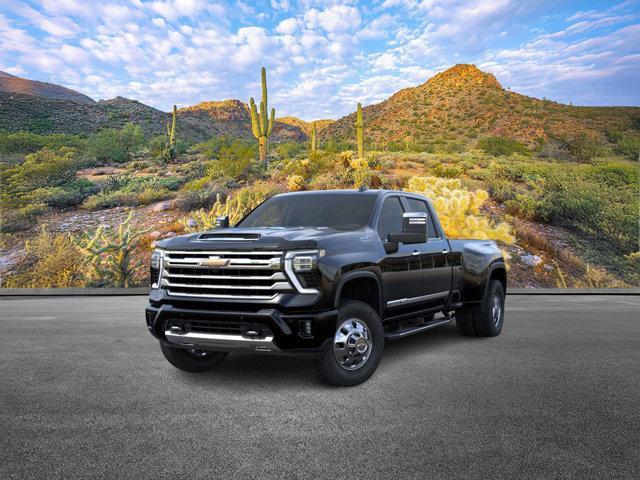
(330, 275)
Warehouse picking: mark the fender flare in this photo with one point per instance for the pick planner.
(495, 265)
(354, 275)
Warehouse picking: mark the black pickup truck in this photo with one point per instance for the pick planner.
(329, 274)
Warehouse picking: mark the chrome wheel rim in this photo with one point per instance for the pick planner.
(352, 344)
(496, 310)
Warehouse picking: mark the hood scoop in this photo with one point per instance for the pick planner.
(229, 236)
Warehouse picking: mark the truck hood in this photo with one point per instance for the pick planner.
(256, 238)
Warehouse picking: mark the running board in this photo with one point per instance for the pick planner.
(405, 332)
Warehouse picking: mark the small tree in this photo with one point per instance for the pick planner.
(360, 132)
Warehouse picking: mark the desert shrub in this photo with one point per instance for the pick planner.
(190, 200)
(126, 198)
(498, 146)
(116, 145)
(108, 254)
(157, 145)
(582, 146)
(523, 206)
(19, 219)
(44, 169)
(447, 170)
(27, 142)
(212, 147)
(233, 160)
(326, 181)
(459, 209)
(68, 195)
(236, 206)
(289, 150)
(52, 261)
(629, 146)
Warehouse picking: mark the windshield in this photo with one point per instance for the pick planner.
(339, 211)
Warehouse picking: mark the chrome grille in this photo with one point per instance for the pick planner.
(245, 275)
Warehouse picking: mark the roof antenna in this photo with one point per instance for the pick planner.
(363, 188)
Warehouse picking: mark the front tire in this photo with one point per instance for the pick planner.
(486, 320)
(195, 361)
(357, 346)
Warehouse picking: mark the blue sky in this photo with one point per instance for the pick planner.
(322, 56)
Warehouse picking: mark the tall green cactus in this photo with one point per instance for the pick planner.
(314, 143)
(171, 136)
(260, 124)
(360, 132)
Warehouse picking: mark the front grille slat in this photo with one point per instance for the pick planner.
(253, 275)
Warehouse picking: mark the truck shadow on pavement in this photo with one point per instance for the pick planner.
(271, 371)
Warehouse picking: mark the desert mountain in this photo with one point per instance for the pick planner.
(47, 108)
(232, 117)
(12, 84)
(305, 126)
(463, 103)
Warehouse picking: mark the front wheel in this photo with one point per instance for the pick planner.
(486, 320)
(193, 360)
(356, 348)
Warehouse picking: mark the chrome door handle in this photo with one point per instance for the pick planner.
(415, 253)
(445, 252)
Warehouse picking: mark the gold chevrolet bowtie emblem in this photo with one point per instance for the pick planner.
(214, 262)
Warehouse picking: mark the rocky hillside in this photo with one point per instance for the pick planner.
(305, 126)
(46, 108)
(232, 117)
(463, 103)
(11, 84)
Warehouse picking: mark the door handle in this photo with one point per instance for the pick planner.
(445, 251)
(415, 253)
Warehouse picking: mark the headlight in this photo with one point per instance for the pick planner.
(306, 262)
(156, 267)
(301, 266)
(156, 259)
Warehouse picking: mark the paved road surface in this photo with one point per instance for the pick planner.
(86, 393)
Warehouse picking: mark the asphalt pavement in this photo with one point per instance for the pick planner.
(86, 393)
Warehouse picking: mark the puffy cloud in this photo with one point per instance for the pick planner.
(287, 26)
(335, 19)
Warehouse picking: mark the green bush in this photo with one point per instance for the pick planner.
(289, 150)
(116, 145)
(44, 169)
(68, 195)
(28, 142)
(629, 146)
(498, 146)
(24, 218)
(581, 146)
(121, 198)
(233, 160)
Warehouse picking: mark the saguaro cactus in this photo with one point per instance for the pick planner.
(171, 135)
(314, 140)
(260, 124)
(360, 132)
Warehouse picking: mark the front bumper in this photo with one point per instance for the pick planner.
(265, 330)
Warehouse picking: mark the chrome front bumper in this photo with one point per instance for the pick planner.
(221, 342)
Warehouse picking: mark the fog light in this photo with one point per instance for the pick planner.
(304, 328)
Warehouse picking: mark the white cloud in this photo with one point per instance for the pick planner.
(335, 19)
(287, 26)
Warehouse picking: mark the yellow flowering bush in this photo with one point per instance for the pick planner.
(236, 206)
(295, 183)
(459, 209)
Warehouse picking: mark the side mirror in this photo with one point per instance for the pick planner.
(414, 229)
(222, 222)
